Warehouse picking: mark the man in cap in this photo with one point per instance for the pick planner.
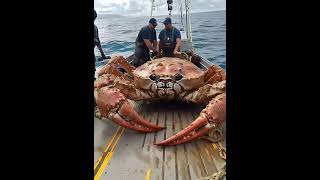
(170, 40)
(146, 40)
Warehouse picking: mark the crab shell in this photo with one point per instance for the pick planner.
(168, 69)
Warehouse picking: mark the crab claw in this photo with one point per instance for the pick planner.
(113, 104)
(209, 118)
(134, 126)
(183, 134)
(128, 111)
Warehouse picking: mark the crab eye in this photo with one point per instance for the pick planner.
(153, 77)
(177, 77)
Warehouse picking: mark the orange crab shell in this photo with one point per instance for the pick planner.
(193, 77)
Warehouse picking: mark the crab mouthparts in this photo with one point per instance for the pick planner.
(165, 83)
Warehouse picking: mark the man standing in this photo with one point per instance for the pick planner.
(96, 38)
(170, 40)
(146, 40)
(96, 42)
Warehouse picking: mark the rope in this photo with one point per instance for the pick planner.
(222, 152)
(216, 176)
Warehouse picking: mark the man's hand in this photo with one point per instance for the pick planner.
(105, 57)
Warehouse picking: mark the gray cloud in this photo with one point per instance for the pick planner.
(142, 7)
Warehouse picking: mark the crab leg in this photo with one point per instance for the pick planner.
(210, 117)
(109, 69)
(121, 61)
(104, 80)
(205, 93)
(113, 104)
(112, 67)
(214, 74)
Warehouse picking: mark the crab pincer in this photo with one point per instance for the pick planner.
(210, 117)
(114, 105)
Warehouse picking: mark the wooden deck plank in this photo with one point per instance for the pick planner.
(196, 166)
(158, 173)
(201, 146)
(127, 160)
(182, 159)
(103, 133)
(170, 158)
(155, 153)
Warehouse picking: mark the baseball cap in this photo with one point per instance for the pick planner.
(153, 21)
(167, 21)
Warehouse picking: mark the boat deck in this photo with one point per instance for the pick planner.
(122, 154)
(125, 154)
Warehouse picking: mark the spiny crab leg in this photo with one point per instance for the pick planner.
(114, 62)
(210, 117)
(120, 60)
(113, 104)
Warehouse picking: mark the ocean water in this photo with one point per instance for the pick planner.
(117, 34)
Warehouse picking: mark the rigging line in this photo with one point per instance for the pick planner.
(181, 15)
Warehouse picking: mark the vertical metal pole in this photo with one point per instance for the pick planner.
(152, 3)
(189, 21)
(181, 15)
(187, 25)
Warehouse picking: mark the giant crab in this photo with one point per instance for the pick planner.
(163, 78)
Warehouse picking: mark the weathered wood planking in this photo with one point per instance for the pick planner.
(136, 154)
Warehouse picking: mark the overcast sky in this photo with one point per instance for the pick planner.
(142, 7)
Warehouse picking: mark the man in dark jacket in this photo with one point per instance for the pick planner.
(146, 41)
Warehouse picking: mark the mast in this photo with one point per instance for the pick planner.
(152, 7)
(188, 20)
